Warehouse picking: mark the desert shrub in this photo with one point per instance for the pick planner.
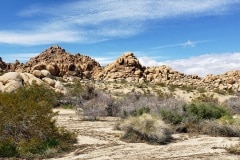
(171, 116)
(140, 111)
(233, 105)
(99, 105)
(187, 88)
(224, 91)
(201, 90)
(147, 128)
(233, 149)
(207, 98)
(214, 128)
(170, 103)
(136, 102)
(172, 87)
(205, 111)
(27, 127)
(74, 96)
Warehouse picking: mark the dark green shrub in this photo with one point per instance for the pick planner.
(7, 148)
(27, 127)
(205, 111)
(171, 116)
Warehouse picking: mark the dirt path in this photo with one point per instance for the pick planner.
(99, 141)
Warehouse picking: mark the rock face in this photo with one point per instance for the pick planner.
(126, 67)
(59, 63)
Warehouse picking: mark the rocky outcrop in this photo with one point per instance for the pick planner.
(59, 63)
(9, 67)
(11, 81)
(126, 67)
(55, 61)
(3, 65)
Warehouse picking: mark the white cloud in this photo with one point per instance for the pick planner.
(206, 64)
(185, 44)
(104, 60)
(147, 61)
(97, 20)
(37, 38)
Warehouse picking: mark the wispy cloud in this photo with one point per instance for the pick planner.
(201, 65)
(22, 57)
(36, 38)
(185, 44)
(96, 20)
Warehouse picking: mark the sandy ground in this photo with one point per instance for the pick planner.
(99, 141)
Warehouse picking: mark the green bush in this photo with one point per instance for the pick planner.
(171, 116)
(145, 128)
(205, 111)
(27, 127)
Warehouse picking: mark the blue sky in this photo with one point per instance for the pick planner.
(191, 36)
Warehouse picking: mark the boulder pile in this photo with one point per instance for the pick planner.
(55, 61)
(59, 63)
(11, 81)
(126, 67)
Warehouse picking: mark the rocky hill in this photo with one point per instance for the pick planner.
(127, 67)
(59, 63)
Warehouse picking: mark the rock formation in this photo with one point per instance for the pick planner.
(55, 61)
(13, 80)
(59, 63)
(3, 65)
(126, 67)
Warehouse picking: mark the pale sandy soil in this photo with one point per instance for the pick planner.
(99, 141)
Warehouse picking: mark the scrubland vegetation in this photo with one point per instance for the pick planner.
(28, 128)
(27, 125)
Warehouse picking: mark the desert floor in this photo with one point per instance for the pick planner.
(100, 141)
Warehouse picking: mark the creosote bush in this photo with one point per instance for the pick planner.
(27, 125)
(145, 128)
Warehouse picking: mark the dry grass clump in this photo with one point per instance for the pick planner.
(145, 128)
(234, 149)
(214, 128)
(27, 127)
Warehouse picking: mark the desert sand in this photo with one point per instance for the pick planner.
(98, 140)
